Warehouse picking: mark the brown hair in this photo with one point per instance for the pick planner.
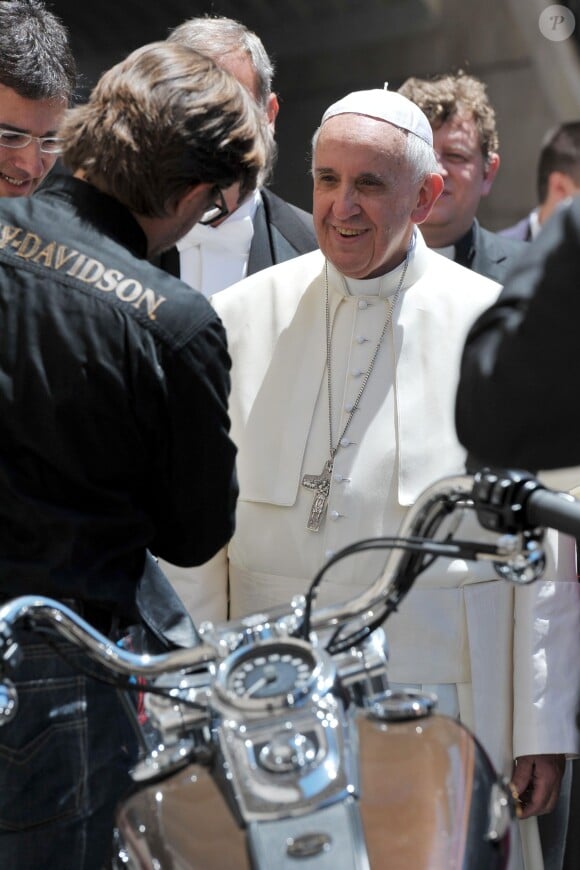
(160, 121)
(444, 96)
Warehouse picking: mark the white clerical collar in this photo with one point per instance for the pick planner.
(419, 261)
(448, 251)
(363, 286)
(383, 285)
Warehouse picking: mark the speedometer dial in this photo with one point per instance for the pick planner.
(275, 672)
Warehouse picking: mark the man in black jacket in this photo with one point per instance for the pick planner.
(261, 229)
(466, 143)
(114, 381)
(517, 398)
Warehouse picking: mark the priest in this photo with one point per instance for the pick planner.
(345, 366)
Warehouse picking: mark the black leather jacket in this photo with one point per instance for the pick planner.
(114, 379)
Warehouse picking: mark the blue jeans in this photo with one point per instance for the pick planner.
(64, 764)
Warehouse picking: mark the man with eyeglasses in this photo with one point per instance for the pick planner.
(114, 443)
(249, 234)
(37, 78)
(259, 228)
(216, 212)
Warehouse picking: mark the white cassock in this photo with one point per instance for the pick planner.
(499, 655)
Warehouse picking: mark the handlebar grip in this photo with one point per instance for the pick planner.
(557, 510)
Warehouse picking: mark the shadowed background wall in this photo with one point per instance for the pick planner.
(324, 48)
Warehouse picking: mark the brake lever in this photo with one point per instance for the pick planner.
(499, 499)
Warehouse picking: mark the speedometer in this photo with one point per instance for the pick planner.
(269, 673)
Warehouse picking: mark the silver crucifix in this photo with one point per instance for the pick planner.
(320, 483)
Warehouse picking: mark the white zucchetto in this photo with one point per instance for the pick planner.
(387, 106)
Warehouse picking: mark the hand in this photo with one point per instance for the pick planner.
(537, 779)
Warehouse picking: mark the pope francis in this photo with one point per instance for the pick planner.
(345, 366)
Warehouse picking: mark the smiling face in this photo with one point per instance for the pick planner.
(365, 200)
(22, 169)
(467, 175)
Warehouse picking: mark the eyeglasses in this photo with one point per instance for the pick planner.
(16, 139)
(216, 211)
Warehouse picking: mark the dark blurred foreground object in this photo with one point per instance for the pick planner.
(517, 402)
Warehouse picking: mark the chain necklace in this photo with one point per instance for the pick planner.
(320, 483)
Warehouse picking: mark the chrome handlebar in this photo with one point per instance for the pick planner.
(42, 611)
(516, 555)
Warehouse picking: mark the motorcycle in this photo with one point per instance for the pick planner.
(277, 742)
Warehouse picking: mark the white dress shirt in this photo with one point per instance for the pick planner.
(212, 258)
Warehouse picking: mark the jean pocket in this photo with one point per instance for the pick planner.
(42, 755)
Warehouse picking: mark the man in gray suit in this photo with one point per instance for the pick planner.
(558, 178)
(262, 229)
(466, 143)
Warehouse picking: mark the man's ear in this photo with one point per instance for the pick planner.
(561, 185)
(272, 109)
(194, 196)
(429, 193)
(489, 172)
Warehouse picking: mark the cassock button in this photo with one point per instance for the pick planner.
(348, 407)
(356, 373)
(344, 442)
(360, 339)
(334, 515)
(338, 477)
(362, 304)
(329, 554)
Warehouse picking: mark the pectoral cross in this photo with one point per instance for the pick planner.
(321, 484)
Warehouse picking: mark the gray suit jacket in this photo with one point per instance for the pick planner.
(488, 253)
(522, 230)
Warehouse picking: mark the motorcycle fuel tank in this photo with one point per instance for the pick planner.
(427, 799)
